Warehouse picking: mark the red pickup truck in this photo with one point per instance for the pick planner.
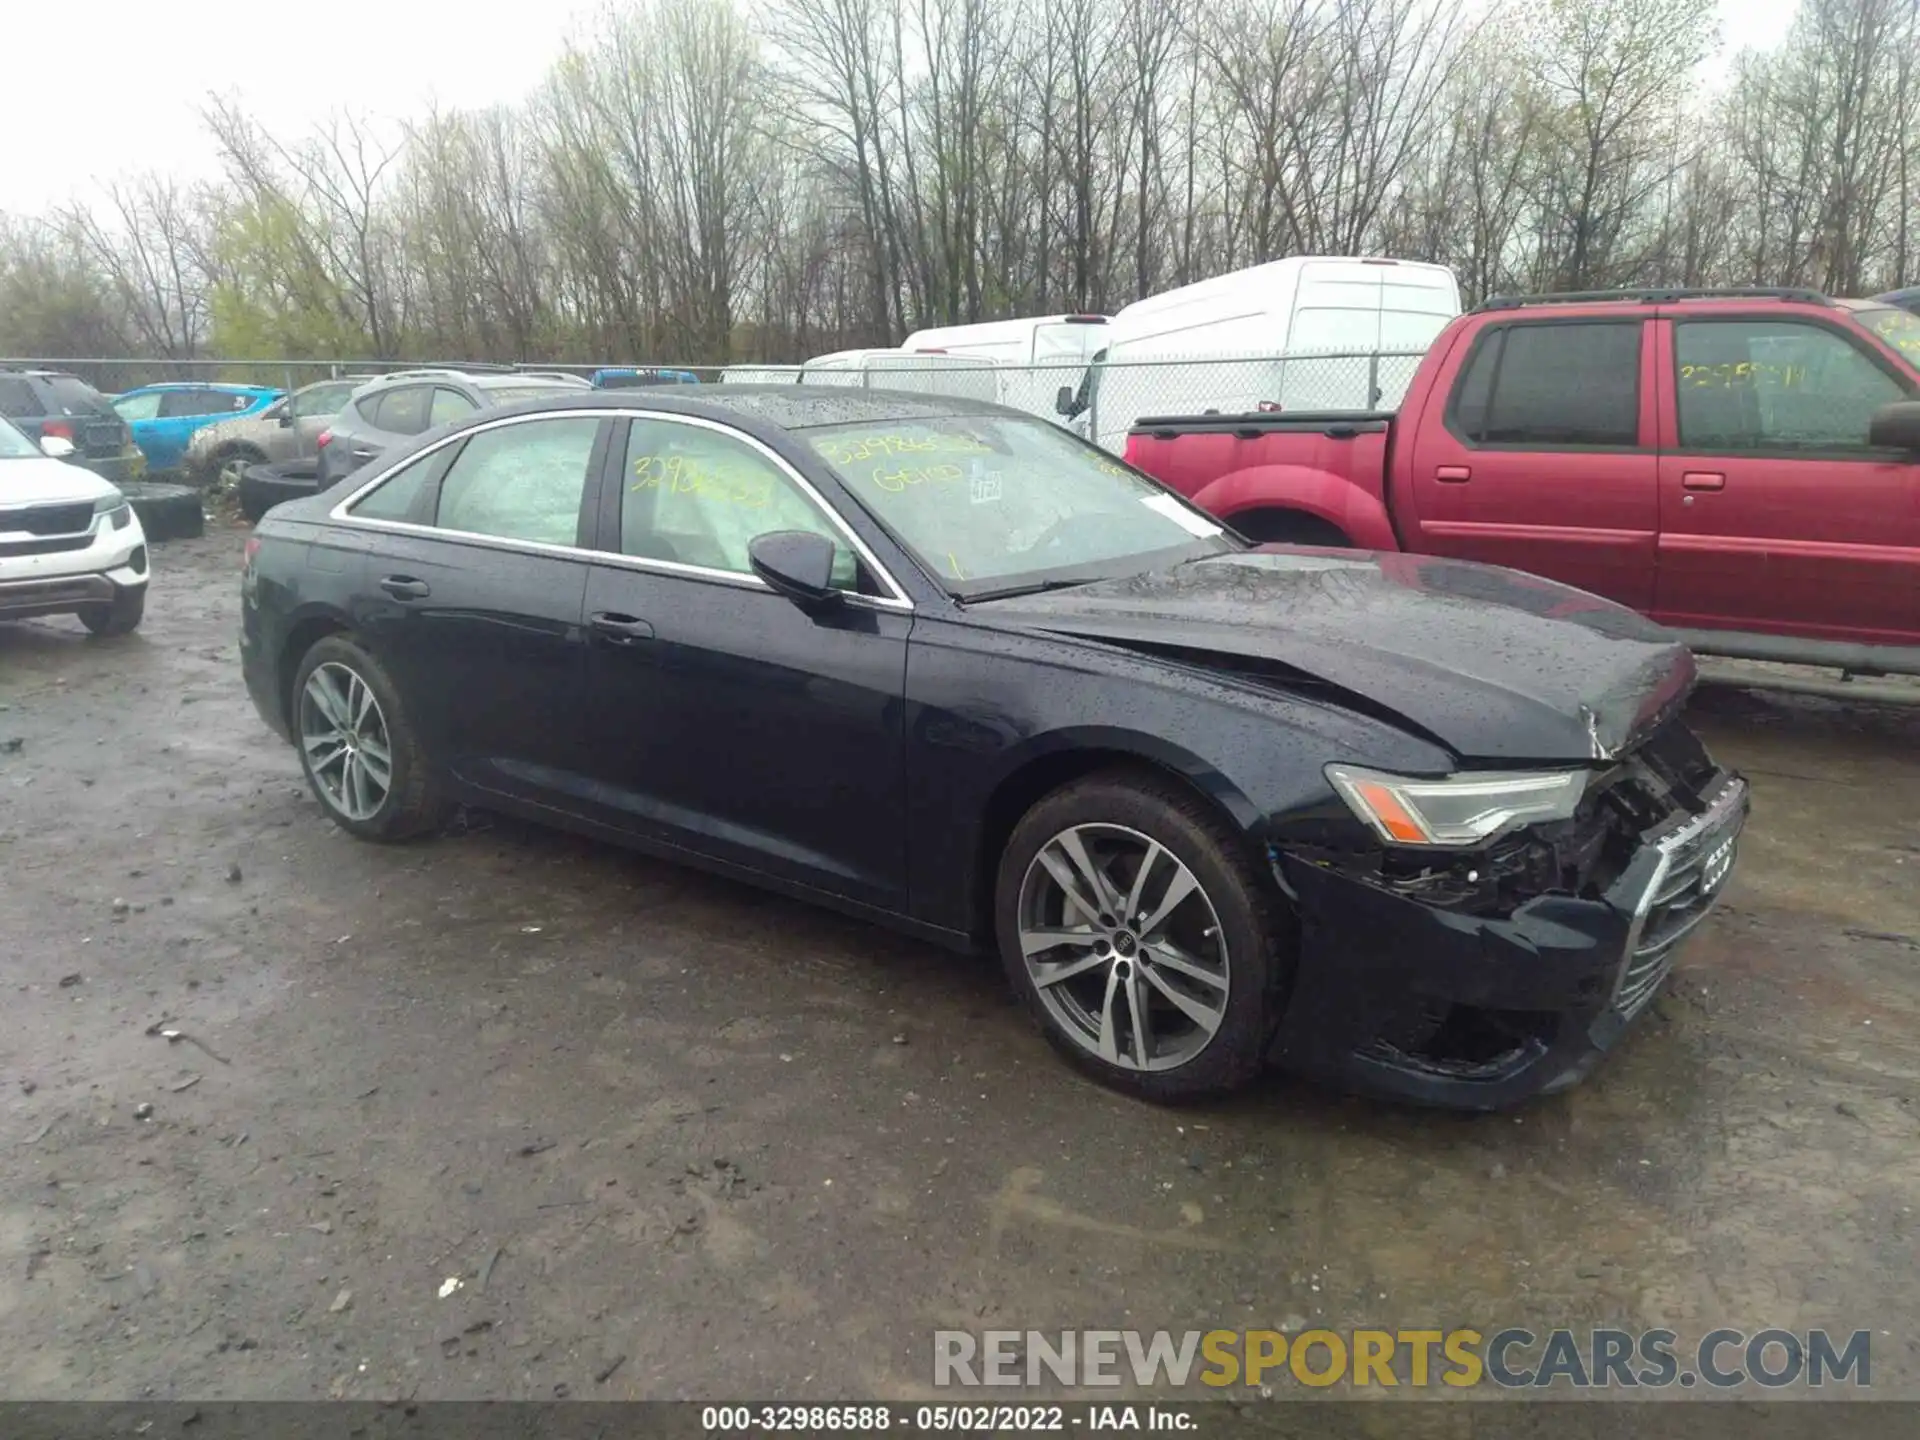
(1741, 465)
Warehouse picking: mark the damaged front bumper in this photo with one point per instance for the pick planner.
(1403, 999)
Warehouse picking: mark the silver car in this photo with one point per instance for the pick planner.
(289, 429)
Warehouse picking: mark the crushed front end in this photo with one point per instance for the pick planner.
(1476, 977)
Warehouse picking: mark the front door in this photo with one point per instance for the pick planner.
(1775, 513)
(723, 718)
(1542, 458)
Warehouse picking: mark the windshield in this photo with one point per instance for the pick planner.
(1898, 328)
(14, 445)
(996, 505)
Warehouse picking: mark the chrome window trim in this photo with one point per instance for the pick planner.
(896, 599)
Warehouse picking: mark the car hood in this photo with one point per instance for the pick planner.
(38, 480)
(1498, 666)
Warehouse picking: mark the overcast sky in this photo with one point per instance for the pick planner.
(121, 87)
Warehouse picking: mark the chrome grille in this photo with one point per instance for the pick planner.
(1695, 859)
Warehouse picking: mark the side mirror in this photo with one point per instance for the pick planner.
(1066, 401)
(1896, 427)
(284, 419)
(797, 564)
(57, 447)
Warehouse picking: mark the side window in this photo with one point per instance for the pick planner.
(521, 482)
(321, 400)
(1551, 385)
(17, 399)
(398, 494)
(176, 403)
(1774, 385)
(368, 407)
(138, 407)
(403, 411)
(699, 497)
(1475, 386)
(448, 405)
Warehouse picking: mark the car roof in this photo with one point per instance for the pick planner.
(519, 378)
(786, 407)
(223, 387)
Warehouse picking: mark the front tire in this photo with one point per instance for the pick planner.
(1139, 932)
(358, 748)
(119, 616)
(230, 464)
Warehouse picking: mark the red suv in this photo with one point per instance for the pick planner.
(1741, 465)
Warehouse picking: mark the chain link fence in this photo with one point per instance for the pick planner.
(1100, 400)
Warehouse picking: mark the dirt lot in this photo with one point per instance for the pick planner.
(676, 1138)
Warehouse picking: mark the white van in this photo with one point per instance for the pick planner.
(1037, 355)
(1309, 332)
(966, 375)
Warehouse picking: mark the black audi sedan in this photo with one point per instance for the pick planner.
(1426, 829)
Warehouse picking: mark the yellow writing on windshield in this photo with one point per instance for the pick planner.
(852, 449)
(682, 475)
(894, 481)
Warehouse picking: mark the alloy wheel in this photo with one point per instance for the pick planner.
(1124, 947)
(344, 740)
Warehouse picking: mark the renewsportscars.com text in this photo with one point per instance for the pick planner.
(1512, 1358)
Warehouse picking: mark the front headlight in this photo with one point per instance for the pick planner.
(1459, 810)
(119, 514)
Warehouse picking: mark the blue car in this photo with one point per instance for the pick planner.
(164, 417)
(631, 378)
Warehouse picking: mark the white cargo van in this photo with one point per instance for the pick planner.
(1040, 341)
(1036, 356)
(966, 375)
(1309, 332)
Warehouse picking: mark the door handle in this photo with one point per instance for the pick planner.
(618, 629)
(405, 587)
(1703, 480)
(361, 454)
(1452, 474)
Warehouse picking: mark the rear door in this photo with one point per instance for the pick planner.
(1775, 513)
(1542, 457)
(474, 583)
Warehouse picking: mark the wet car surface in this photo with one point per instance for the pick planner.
(750, 1148)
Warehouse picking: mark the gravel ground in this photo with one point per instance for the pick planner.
(510, 1114)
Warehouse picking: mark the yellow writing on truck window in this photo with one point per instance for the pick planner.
(682, 475)
(1731, 375)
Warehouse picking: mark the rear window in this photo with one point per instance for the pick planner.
(514, 394)
(1549, 385)
(75, 397)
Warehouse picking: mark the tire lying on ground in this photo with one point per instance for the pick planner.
(167, 512)
(264, 486)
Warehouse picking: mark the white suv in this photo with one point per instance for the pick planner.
(69, 542)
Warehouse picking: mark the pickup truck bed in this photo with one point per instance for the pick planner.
(1742, 466)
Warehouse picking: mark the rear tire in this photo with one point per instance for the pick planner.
(167, 512)
(1290, 527)
(1212, 968)
(119, 616)
(357, 745)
